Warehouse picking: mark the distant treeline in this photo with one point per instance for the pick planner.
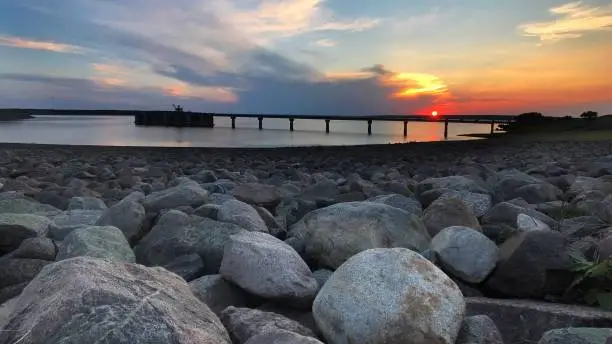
(30, 112)
(533, 121)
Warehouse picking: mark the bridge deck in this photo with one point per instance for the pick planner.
(393, 118)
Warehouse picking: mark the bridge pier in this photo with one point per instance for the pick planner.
(327, 126)
(291, 124)
(405, 128)
(233, 122)
(446, 129)
(369, 127)
(492, 127)
(260, 118)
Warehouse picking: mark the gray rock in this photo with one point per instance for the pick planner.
(205, 176)
(506, 183)
(210, 211)
(52, 198)
(331, 235)
(458, 183)
(86, 203)
(188, 266)
(12, 291)
(506, 213)
(539, 193)
(241, 214)
(533, 264)
(579, 335)
(218, 294)
(291, 210)
(265, 266)
(479, 329)
(410, 205)
(219, 199)
(604, 209)
(604, 248)
(18, 270)
(14, 228)
(584, 184)
(524, 321)
(303, 317)
(186, 193)
(267, 196)
(321, 190)
(281, 337)
(588, 203)
(389, 296)
(84, 300)
(322, 275)
(35, 248)
(526, 223)
(66, 222)
(128, 215)
(175, 235)
(274, 226)
(244, 323)
(105, 242)
(479, 203)
(6, 309)
(447, 212)
(465, 253)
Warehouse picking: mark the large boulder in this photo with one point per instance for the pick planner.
(105, 242)
(84, 300)
(526, 223)
(24, 206)
(186, 193)
(505, 184)
(267, 196)
(408, 204)
(291, 210)
(176, 234)
(533, 264)
(241, 214)
(583, 184)
(458, 183)
(389, 296)
(465, 253)
(16, 273)
(539, 193)
(281, 337)
(577, 335)
(331, 235)
(14, 228)
(479, 203)
(86, 203)
(189, 266)
(66, 222)
(525, 321)
(266, 266)
(447, 212)
(244, 323)
(506, 213)
(479, 329)
(218, 294)
(35, 248)
(128, 215)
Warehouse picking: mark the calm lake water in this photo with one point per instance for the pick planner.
(121, 131)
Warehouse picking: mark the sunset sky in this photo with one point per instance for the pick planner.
(309, 56)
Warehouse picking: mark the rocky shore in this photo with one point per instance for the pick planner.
(452, 242)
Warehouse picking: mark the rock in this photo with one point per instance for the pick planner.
(604, 209)
(35, 248)
(52, 198)
(448, 212)
(563, 182)
(331, 235)
(175, 235)
(322, 275)
(6, 309)
(465, 253)
(66, 222)
(16, 273)
(205, 176)
(410, 205)
(389, 296)
(267, 267)
(86, 203)
(267, 196)
(524, 321)
(244, 323)
(24, 206)
(539, 193)
(479, 329)
(84, 300)
(218, 294)
(281, 337)
(12, 291)
(584, 184)
(506, 183)
(303, 317)
(507, 213)
(128, 215)
(321, 190)
(14, 228)
(580, 335)
(188, 266)
(241, 214)
(458, 183)
(186, 193)
(210, 211)
(604, 248)
(477, 202)
(526, 223)
(291, 210)
(105, 242)
(533, 264)
(588, 203)
(582, 226)
(274, 227)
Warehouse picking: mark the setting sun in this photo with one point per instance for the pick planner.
(434, 113)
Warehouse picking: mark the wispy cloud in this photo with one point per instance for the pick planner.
(18, 42)
(325, 43)
(573, 20)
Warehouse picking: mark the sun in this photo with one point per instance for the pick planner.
(434, 113)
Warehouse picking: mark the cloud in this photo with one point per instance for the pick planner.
(573, 21)
(325, 43)
(18, 42)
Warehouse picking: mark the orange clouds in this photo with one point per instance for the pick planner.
(18, 42)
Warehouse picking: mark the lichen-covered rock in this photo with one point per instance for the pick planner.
(105, 242)
(389, 296)
(14, 228)
(88, 300)
(267, 267)
(329, 236)
(448, 212)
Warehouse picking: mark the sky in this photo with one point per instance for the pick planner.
(343, 57)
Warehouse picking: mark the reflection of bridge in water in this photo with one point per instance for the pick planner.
(197, 119)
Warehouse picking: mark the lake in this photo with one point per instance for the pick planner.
(121, 131)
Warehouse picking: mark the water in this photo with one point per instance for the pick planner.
(121, 131)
